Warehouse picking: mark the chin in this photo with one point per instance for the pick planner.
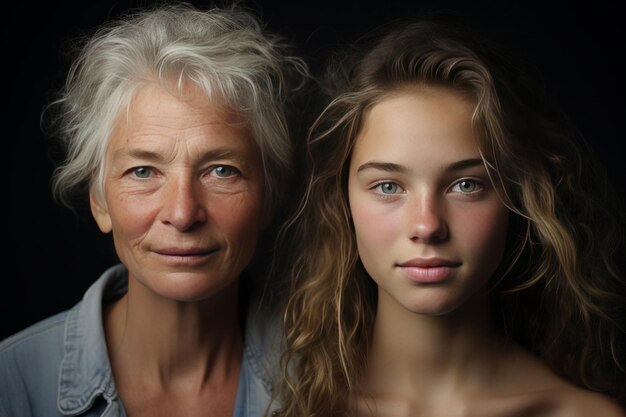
(435, 306)
(188, 287)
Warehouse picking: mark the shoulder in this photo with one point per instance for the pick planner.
(60, 355)
(526, 383)
(577, 402)
(562, 401)
(29, 366)
(47, 332)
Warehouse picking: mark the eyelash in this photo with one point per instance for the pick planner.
(150, 171)
(134, 171)
(377, 189)
(478, 184)
(235, 171)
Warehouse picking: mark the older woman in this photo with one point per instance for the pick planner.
(173, 119)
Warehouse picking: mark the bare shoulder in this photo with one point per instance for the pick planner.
(526, 386)
(564, 401)
(577, 402)
(568, 402)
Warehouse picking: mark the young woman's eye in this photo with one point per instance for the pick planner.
(466, 186)
(388, 188)
(142, 172)
(224, 171)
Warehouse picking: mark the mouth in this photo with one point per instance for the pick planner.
(187, 257)
(185, 252)
(429, 263)
(428, 270)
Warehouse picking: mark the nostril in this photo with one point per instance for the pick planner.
(429, 227)
(183, 208)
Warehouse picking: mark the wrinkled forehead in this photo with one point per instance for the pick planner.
(193, 96)
(162, 122)
(162, 99)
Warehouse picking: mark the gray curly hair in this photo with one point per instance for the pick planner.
(224, 52)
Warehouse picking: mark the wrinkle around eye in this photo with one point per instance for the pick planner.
(135, 172)
(233, 183)
(233, 172)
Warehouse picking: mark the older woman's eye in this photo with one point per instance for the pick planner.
(224, 171)
(142, 172)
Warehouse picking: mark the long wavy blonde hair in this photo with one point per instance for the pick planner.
(558, 292)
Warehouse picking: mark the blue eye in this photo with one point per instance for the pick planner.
(466, 186)
(388, 187)
(224, 171)
(142, 172)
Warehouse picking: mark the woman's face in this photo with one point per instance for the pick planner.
(183, 195)
(429, 226)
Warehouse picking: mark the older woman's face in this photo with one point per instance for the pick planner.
(183, 195)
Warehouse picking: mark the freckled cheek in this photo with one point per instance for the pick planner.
(375, 225)
(238, 216)
(485, 235)
(132, 216)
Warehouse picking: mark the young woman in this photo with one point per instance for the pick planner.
(455, 249)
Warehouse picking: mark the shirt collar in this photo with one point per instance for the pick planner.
(86, 370)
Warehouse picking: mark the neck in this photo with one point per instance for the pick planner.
(413, 352)
(158, 342)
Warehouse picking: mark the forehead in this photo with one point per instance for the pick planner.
(424, 118)
(157, 116)
(169, 104)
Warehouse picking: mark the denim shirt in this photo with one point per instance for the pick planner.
(60, 366)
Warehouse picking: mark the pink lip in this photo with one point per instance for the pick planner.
(185, 251)
(185, 257)
(428, 270)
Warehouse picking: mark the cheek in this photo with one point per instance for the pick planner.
(376, 226)
(239, 216)
(486, 235)
(131, 217)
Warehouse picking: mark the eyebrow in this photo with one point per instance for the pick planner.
(465, 163)
(157, 157)
(396, 168)
(383, 166)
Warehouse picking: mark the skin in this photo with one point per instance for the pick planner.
(183, 200)
(431, 231)
(422, 204)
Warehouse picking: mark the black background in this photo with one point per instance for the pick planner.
(52, 255)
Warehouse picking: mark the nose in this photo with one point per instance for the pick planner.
(183, 207)
(427, 220)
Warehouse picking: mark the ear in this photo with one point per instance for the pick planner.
(100, 212)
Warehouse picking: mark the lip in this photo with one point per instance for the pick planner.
(429, 263)
(428, 270)
(185, 256)
(197, 251)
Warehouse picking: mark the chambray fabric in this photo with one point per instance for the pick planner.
(60, 366)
